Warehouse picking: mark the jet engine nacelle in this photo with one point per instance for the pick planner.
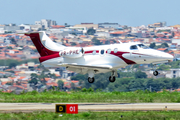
(76, 53)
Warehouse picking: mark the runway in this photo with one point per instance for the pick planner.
(30, 107)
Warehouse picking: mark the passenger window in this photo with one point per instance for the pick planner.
(133, 47)
(115, 50)
(102, 52)
(94, 52)
(109, 51)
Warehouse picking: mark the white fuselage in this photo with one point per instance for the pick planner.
(112, 56)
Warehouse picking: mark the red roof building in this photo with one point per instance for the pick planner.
(162, 49)
(57, 26)
(52, 84)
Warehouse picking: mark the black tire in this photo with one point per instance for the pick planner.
(113, 79)
(155, 73)
(90, 80)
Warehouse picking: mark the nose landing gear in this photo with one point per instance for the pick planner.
(155, 73)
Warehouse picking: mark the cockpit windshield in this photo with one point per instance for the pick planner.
(143, 46)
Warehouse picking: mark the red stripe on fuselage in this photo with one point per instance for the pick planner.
(44, 58)
(86, 52)
(118, 54)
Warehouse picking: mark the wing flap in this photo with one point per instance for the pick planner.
(108, 67)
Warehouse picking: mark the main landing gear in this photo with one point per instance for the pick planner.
(155, 73)
(91, 79)
(91, 76)
(112, 78)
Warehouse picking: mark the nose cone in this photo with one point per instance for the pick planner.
(164, 56)
(156, 56)
(167, 56)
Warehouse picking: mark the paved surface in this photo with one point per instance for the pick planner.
(29, 107)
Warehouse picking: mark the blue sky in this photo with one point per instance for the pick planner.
(124, 12)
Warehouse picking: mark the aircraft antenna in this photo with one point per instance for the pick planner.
(120, 42)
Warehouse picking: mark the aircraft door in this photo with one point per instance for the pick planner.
(133, 49)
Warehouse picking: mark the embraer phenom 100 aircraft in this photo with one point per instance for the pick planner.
(95, 59)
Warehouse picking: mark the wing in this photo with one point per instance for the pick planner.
(84, 68)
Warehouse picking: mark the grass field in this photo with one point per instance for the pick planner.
(101, 97)
(130, 115)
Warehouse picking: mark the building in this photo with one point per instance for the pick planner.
(37, 27)
(164, 28)
(177, 41)
(102, 34)
(87, 25)
(9, 29)
(46, 23)
(159, 24)
(108, 25)
(174, 73)
(117, 34)
(25, 27)
(83, 29)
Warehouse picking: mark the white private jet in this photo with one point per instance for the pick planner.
(96, 59)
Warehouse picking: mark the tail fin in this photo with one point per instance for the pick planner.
(44, 44)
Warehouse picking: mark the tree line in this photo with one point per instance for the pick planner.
(129, 81)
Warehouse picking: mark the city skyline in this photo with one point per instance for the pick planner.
(131, 13)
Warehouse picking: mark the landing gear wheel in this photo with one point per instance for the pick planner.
(90, 80)
(155, 73)
(112, 79)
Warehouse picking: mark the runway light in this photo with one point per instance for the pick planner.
(60, 115)
(166, 108)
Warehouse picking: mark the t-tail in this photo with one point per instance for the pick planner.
(44, 45)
